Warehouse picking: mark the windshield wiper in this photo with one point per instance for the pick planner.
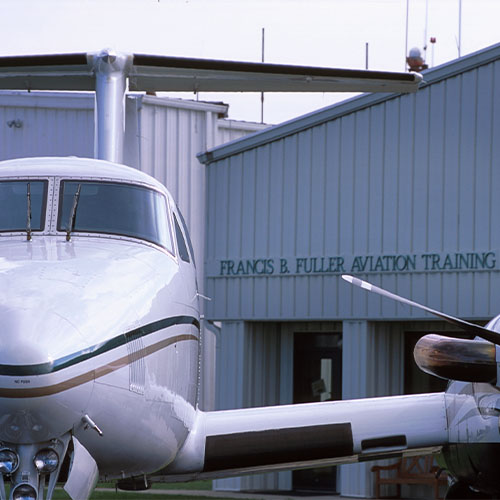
(72, 217)
(28, 219)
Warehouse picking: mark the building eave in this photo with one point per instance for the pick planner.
(431, 76)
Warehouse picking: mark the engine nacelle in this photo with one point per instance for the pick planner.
(456, 359)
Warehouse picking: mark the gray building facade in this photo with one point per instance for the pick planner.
(397, 189)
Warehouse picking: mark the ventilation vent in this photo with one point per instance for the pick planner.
(137, 369)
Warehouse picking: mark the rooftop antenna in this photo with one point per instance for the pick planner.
(459, 28)
(426, 26)
(262, 93)
(406, 39)
(433, 44)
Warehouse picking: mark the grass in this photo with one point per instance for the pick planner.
(112, 494)
(60, 494)
(128, 495)
(193, 485)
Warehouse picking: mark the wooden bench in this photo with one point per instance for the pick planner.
(410, 470)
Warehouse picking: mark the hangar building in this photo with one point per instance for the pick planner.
(398, 189)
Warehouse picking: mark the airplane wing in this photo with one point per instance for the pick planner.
(46, 72)
(160, 73)
(176, 73)
(234, 442)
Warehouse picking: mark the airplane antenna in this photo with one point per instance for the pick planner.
(28, 219)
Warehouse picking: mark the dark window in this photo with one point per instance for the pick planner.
(181, 243)
(14, 205)
(317, 376)
(114, 208)
(186, 232)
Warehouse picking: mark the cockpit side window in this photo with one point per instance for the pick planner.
(181, 243)
(18, 199)
(115, 208)
(186, 232)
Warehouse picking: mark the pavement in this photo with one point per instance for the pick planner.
(237, 495)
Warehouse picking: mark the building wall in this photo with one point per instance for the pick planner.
(230, 130)
(46, 124)
(409, 179)
(399, 189)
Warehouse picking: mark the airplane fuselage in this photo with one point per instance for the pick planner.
(100, 323)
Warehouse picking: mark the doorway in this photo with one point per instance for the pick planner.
(317, 376)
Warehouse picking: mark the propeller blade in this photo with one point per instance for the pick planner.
(471, 328)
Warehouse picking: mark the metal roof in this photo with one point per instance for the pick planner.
(348, 106)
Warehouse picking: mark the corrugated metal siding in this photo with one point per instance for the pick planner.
(372, 365)
(258, 355)
(230, 130)
(259, 359)
(414, 174)
(170, 138)
(50, 125)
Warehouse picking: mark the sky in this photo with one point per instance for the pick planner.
(331, 33)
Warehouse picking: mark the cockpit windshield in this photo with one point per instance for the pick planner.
(19, 200)
(114, 208)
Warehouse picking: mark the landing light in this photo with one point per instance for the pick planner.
(24, 492)
(8, 461)
(46, 461)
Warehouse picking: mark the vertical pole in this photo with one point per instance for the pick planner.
(426, 26)
(366, 55)
(459, 28)
(262, 93)
(406, 39)
(111, 71)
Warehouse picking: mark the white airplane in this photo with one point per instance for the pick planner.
(100, 340)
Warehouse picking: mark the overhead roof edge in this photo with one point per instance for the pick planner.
(276, 132)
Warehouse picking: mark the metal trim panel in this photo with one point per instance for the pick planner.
(277, 446)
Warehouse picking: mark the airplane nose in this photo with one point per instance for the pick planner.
(29, 338)
(37, 399)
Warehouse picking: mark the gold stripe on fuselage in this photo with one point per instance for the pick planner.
(101, 371)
